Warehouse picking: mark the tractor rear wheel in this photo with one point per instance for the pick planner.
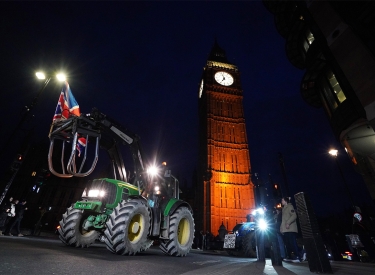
(248, 245)
(181, 233)
(71, 231)
(128, 227)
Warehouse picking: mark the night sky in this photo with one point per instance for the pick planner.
(141, 62)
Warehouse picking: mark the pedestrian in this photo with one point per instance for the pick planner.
(279, 235)
(209, 239)
(203, 236)
(19, 209)
(289, 230)
(10, 211)
(6, 213)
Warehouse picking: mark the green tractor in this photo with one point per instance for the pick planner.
(129, 211)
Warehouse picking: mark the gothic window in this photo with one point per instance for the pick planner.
(239, 198)
(226, 198)
(234, 196)
(221, 196)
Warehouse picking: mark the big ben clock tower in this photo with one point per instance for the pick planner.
(224, 176)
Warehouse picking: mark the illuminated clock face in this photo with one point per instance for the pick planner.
(201, 89)
(224, 78)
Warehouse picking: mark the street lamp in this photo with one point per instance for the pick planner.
(334, 153)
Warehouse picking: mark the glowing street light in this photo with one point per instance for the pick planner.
(40, 75)
(333, 152)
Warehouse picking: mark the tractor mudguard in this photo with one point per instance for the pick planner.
(172, 205)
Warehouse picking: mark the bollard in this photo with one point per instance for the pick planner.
(275, 246)
(261, 257)
(275, 254)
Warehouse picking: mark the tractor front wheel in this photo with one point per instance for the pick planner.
(128, 227)
(71, 231)
(181, 233)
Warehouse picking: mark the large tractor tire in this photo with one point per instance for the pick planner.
(181, 233)
(248, 245)
(71, 231)
(128, 227)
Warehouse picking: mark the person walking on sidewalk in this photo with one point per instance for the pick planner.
(289, 229)
(20, 209)
(279, 235)
(7, 212)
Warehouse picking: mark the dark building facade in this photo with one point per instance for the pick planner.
(32, 181)
(334, 42)
(226, 191)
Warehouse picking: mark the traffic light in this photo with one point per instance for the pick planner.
(17, 162)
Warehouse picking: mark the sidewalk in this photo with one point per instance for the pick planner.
(266, 268)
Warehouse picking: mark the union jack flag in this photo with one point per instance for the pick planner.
(67, 105)
(81, 145)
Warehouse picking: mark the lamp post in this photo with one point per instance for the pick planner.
(28, 109)
(334, 153)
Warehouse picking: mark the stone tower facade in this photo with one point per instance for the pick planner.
(224, 176)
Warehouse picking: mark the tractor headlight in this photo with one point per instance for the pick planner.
(96, 193)
(152, 171)
(157, 190)
(262, 224)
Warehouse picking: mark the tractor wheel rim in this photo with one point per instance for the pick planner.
(183, 231)
(135, 229)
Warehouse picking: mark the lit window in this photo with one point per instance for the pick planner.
(335, 86)
(332, 93)
(309, 38)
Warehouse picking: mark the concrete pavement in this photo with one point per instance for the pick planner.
(253, 267)
(288, 268)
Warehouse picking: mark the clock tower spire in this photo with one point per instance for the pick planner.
(224, 173)
(217, 54)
